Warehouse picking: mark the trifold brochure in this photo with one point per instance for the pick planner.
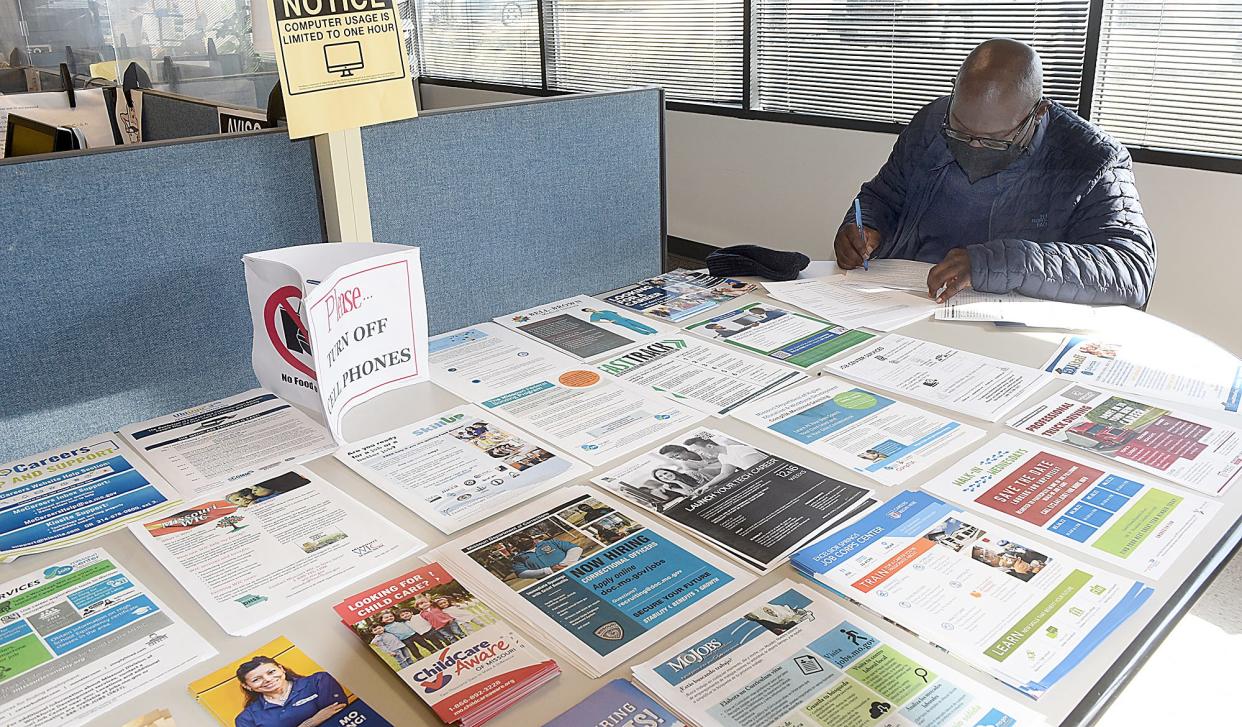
(678, 294)
(447, 645)
(616, 704)
(585, 328)
(790, 657)
(75, 636)
(1006, 605)
(785, 335)
(460, 466)
(589, 577)
(253, 556)
(755, 506)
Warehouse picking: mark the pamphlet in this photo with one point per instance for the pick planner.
(618, 703)
(876, 308)
(796, 339)
(585, 328)
(679, 294)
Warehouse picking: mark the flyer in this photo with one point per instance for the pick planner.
(875, 307)
(1046, 490)
(228, 441)
(589, 577)
(74, 635)
(886, 440)
(554, 397)
(1180, 446)
(617, 704)
(710, 378)
(792, 657)
(68, 495)
(679, 294)
(754, 505)
(253, 556)
(585, 328)
(998, 600)
(447, 645)
(964, 382)
(460, 466)
(782, 334)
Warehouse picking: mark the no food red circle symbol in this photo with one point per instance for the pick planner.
(284, 298)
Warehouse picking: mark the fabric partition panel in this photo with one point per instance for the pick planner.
(522, 203)
(169, 117)
(125, 288)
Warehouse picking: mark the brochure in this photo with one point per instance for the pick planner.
(1046, 490)
(1005, 604)
(616, 704)
(584, 327)
(252, 556)
(446, 645)
(875, 307)
(1180, 446)
(886, 440)
(790, 656)
(75, 634)
(679, 294)
(460, 466)
(755, 506)
(796, 339)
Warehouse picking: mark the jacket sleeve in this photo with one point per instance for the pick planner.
(1108, 257)
(883, 198)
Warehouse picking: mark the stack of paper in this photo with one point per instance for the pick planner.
(447, 645)
(893, 274)
(878, 308)
(617, 698)
(595, 580)
(972, 305)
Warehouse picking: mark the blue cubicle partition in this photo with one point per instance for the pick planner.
(124, 290)
(518, 204)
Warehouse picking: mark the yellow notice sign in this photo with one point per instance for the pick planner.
(342, 64)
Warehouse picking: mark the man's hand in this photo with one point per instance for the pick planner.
(953, 274)
(852, 247)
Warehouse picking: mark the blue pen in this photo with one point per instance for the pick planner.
(863, 233)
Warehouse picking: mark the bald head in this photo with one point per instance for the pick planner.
(996, 87)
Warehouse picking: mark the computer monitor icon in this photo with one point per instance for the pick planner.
(343, 58)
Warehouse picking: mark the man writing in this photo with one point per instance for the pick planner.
(1005, 191)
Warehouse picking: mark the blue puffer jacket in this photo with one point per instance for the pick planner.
(1067, 227)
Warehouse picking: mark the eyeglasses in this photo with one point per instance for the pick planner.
(985, 141)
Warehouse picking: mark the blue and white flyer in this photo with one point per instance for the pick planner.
(617, 704)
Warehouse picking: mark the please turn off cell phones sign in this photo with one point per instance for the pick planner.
(342, 64)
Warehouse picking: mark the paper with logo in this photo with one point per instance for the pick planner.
(590, 577)
(554, 397)
(459, 467)
(679, 294)
(886, 440)
(230, 441)
(617, 703)
(791, 656)
(75, 633)
(71, 494)
(964, 382)
(785, 335)
(586, 328)
(1180, 446)
(999, 600)
(755, 506)
(278, 685)
(252, 556)
(447, 645)
(1043, 489)
(342, 64)
(877, 308)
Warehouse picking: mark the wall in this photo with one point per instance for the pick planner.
(10, 35)
(733, 181)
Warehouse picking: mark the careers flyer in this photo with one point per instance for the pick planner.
(679, 294)
(779, 333)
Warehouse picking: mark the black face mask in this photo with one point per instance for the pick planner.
(980, 162)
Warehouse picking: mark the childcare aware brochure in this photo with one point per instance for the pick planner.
(253, 556)
(785, 335)
(710, 378)
(617, 704)
(679, 294)
(1181, 447)
(756, 506)
(849, 304)
(75, 635)
(460, 466)
(71, 494)
(965, 382)
(553, 396)
(1007, 606)
(1046, 490)
(588, 576)
(886, 440)
(446, 645)
(585, 328)
(792, 657)
(228, 441)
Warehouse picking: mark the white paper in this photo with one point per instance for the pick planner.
(776, 332)
(879, 309)
(251, 557)
(971, 305)
(893, 274)
(586, 328)
(964, 382)
(75, 635)
(460, 466)
(230, 441)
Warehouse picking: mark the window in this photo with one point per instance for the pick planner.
(692, 48)
(879, 60)
(491, 41)
(1169, 75)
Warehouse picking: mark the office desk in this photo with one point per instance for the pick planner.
(1078, 699)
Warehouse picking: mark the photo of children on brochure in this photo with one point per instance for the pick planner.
(1012, 558)
(424, 624)
(685, 470)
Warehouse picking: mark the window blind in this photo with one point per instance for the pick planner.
(489, 41)
(1169, 75)
(880, 60)
(691, 48)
